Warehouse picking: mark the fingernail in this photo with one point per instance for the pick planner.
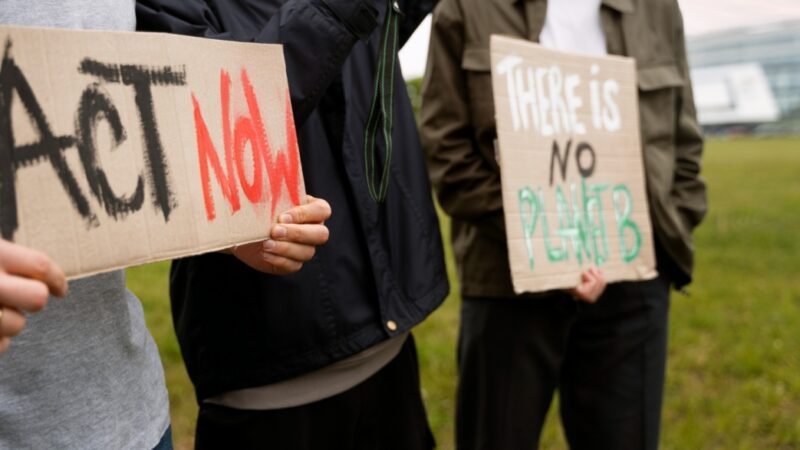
(279, 232)
(285, 218)
(269, 245)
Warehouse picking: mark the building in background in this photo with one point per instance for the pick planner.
(747, 80)
(735, 97)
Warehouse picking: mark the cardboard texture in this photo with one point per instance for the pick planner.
(119, 149)
(571, 166)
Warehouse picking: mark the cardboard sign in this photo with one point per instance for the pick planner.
(125, 148)
(571, 166)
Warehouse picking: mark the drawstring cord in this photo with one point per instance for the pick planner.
(381, 112)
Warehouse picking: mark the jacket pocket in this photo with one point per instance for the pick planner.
(659, 88)
(476, 59)
(659, 77)
(476, 66)
(658, 95)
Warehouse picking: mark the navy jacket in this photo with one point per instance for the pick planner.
(381, 273)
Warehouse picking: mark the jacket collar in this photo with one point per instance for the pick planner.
(623, 6)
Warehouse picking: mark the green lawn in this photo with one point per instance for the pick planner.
(734, 368)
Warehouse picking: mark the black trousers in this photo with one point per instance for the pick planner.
(383, 412)
(606, 360)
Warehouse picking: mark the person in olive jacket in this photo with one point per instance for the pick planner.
(321, 359)
(606, 359)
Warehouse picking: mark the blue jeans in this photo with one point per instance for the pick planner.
(166, 440)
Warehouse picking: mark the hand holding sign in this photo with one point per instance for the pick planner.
(27, 278)
(292, 242)
(592, 286)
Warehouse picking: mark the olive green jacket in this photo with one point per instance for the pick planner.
(458, 130)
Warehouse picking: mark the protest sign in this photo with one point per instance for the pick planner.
(124, 148)
(571, 166)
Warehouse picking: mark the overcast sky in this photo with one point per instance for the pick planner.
(700, 16)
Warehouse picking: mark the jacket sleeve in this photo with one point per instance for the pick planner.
(688, 189)
(317, 36)
(466, 184)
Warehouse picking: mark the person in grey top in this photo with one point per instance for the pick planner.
(84, 372)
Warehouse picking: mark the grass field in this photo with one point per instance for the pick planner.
(734, 355)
